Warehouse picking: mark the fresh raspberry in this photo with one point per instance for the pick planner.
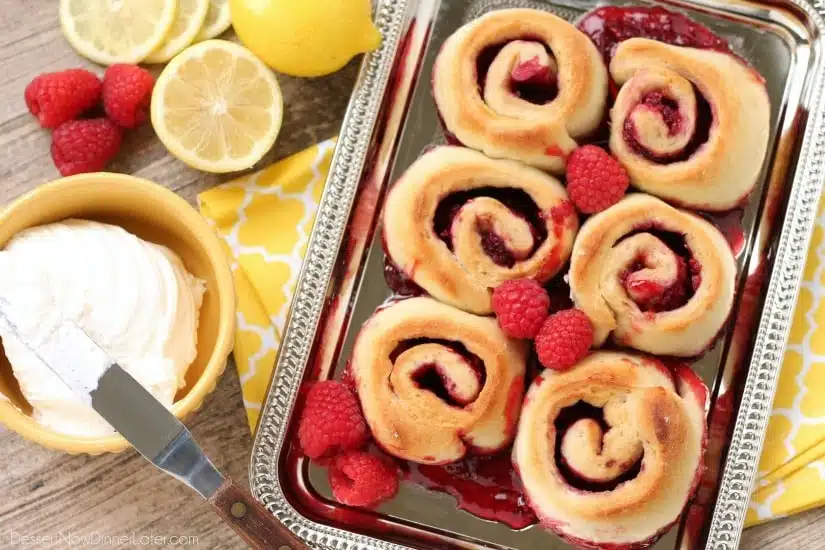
(595, 180)
(331, 420)
(564, 339)
(127, 90)
(80, 146)
(55, 98)
(361, 479)
(521, 306)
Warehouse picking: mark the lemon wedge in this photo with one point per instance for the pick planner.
(217, 21)
(305, 38)
(188, 21)
(217, 107)
(116, 31)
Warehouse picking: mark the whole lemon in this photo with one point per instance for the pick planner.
(305, 37)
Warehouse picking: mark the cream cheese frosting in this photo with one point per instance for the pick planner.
(134, 297)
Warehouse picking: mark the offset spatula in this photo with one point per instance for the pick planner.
(155, 432)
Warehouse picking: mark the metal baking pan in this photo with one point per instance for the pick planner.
(390, 120)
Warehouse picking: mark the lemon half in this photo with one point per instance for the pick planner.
(217, 107)
(116, 31)
(188, 21)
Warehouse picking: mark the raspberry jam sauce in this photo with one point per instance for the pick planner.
(485, 486)
(398, 281)
(609, 25)
(730, 225)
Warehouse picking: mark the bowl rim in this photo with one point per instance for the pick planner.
(16, 420)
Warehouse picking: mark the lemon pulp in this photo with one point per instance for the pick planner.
(217, 20)
(189, 18)
(116, 31)
(217, 107)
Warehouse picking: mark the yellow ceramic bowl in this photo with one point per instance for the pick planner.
(154, 214)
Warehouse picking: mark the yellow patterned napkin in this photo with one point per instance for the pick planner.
(791, 474)
(265, 220)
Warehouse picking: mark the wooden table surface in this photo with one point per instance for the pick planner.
(45, 493)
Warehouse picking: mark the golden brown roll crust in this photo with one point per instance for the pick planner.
(496, 120)
(464, 276)
(618, 254)
(625, 477)
(724, 169)
(404, 341)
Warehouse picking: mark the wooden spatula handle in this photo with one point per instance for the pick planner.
(254, 523)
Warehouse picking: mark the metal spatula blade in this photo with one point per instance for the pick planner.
(154, 432)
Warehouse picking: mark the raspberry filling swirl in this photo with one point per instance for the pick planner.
(445, 368)
(432, 400)
(653, 277)
(689, 125)
(520, 71)
(610, 451)
(654, 268)
(520, 84)
(661, 122)
(509, 223)
(458, 224)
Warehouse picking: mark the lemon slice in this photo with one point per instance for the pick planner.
(217, 21)
(217, 107)
(116, 31)
(188, 21)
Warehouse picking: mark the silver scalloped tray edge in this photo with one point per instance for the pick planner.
(334, 211)
(313, 282)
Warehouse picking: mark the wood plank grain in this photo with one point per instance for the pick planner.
(801, 532)
(44, 493)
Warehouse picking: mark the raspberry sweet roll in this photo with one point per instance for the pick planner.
(657, 278)
(436, 382)
(690, 126)
(459, 223)
(610, 451)
(520, 84)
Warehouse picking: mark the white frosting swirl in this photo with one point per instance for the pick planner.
(134, 297)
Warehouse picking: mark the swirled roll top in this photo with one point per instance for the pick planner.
(656, 278)
(689, 125)
(459, 223)
(610, 451)
(436, 382)
(544, 88)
